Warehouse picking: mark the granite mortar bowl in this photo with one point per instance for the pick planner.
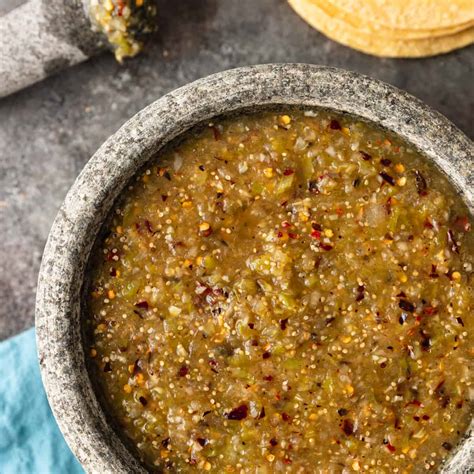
(58, 305)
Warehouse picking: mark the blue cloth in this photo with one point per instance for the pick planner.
(30, 440)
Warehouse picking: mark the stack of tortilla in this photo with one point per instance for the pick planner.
(393, 28)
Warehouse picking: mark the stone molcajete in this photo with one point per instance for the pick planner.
(59, 306)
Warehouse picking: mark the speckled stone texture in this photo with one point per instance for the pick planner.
(90, 199)
(50, 130)
(42, 37)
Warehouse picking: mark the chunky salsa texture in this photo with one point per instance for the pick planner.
(125, 23)
(286, 291)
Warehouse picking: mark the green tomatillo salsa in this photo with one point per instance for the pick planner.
(290, 292)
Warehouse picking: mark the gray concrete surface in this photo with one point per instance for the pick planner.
(49, 131)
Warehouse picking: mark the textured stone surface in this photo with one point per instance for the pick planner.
(58, 323)
(42, 37)
(49, 131)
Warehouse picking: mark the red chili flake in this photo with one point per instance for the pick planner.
(462, 224)
(360, 293)
(452, 241)
(279, 234)
(120, 6)
(287, 461)
(183, 371)
(433, 273)
(285, 224)
(396, 423)
(420, 183)
(347, 427)
(251, 325)
(425, 341)
(365, 155)
(386, 162)
(283, 323)
(444, 401)
(425, 417)
(360, 297)
(438, 387)
(207, 232)
(388, 205)
(148, 226)
(428, 224)
(238, 413)
(266, 355)
(447, 446)
(334, 125)
(273, 442)
(142, 305)
(316, 226)
(162, 172)
(288, 171)
(391, 448)
(286, 417)
(326, 247)
(316, 234)
(386, 177)
(268, 378)
(416, 418)
(113, 272)
(430, 310)
(137, 367)
(415, 402)
(217, 133)
(110, 256)
(313, 187)
(292, 235)
(202, 441)
(406, 306)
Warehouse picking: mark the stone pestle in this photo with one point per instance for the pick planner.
(42, 37)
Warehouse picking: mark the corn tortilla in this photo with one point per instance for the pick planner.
(383, 46)
(411, 14)
(368, 25)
